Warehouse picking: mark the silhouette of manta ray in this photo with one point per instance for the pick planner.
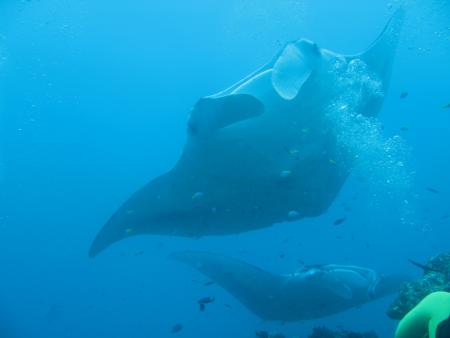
(262, 151)
(314, 292)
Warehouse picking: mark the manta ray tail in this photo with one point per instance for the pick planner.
(255, 288)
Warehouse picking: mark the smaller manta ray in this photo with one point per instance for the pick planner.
(265, 150)
(314, 292)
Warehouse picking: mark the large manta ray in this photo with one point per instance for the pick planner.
(262, 151)
(311, 293)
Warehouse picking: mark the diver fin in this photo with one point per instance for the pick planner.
(293, 68)
(212, 114)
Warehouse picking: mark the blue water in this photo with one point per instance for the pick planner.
(94, 101)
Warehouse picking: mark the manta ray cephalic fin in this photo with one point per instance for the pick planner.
(212, 114)
(293, 67)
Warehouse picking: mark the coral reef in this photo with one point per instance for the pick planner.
(436, 277)
(323, 332)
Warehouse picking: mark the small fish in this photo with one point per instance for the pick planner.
(208, 283)
(282, 255)
(293, 214)
(203, 301)
(339, 221)
(404, 95)
(197, 195)
(291, 151)
(206, 300)
(404, 128)
(305, 130)
(332, 161)
(129, 230)
(285, 173)
(434, 191)
(447, 106)
(176, 328)
(228, 306)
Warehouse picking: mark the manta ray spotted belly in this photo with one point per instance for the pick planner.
(264, 150)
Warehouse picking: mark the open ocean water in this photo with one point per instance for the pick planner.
(94, 99)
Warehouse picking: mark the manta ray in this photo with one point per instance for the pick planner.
(265, 150)
(313, 292)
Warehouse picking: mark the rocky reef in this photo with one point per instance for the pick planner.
(323, 332)
(436, 277)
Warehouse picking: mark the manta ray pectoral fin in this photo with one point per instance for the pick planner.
(257, 289)
(379, 56)
(379, 59)
(142, 213)
(293, 67)
(211, 114)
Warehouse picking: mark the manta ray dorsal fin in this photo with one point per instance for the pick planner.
(211, 114)
(293, 68)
